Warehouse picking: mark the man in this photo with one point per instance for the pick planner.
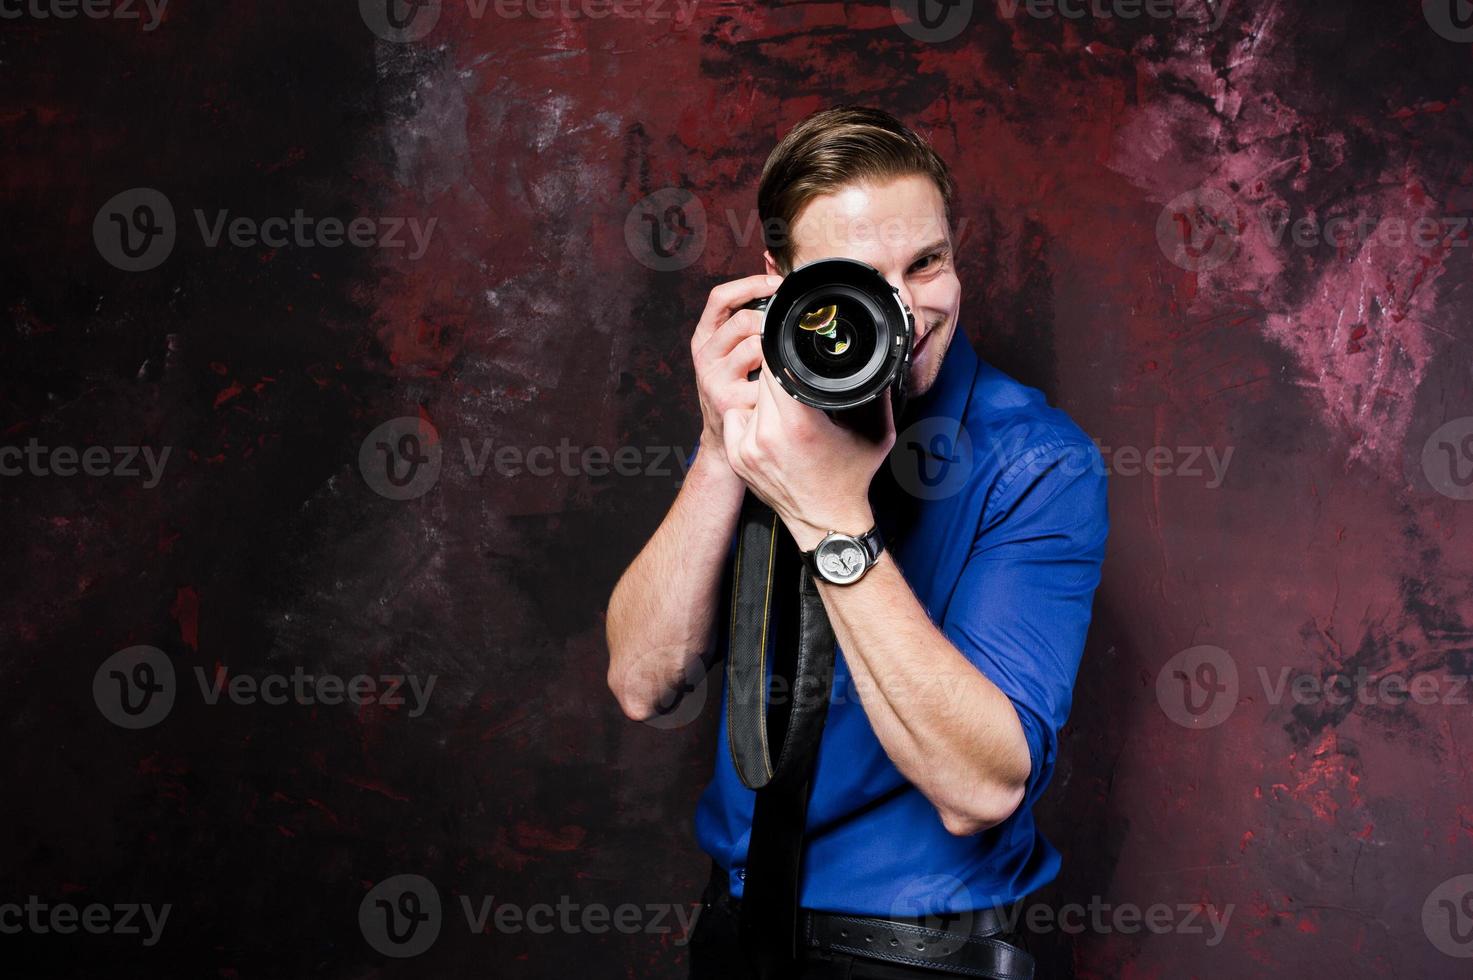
(957, 650)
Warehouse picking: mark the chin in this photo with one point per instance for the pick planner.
(923, 371)
(922, 377)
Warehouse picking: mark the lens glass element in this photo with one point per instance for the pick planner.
(836, 337)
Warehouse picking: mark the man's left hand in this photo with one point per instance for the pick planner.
(812, 471)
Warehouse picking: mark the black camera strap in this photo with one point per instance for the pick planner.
(774, 747)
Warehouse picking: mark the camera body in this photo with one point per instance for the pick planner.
(838, 336)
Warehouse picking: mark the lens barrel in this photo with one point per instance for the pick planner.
(837, 335)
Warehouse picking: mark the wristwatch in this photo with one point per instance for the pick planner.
(843, 558)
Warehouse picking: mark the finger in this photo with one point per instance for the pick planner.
(742, 359)
(782, 407)
(729, 297)
(772, 424)
(740, 394)
(724, 339)
(744, 395)
(737, 391)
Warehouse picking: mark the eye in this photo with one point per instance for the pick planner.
(928, 263)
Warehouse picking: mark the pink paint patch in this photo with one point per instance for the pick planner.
(1339, 287)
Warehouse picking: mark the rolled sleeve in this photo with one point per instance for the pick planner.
(1021, 608)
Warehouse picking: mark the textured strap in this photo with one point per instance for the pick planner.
(775, 600)
(770, 580)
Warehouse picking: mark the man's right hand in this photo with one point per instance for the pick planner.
(726, 347)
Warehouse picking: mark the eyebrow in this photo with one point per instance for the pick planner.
(939, 245)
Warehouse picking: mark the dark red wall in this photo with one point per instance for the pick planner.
(1334, 544)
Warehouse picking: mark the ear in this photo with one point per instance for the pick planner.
(772, 269)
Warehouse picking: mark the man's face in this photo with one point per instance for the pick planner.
(900, 228)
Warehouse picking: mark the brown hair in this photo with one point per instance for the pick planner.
(834, 148)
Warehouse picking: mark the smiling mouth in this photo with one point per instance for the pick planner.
(925, 340)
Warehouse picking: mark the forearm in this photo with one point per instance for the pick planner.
(661, 613)
(947, 728)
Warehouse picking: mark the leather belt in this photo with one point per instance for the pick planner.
(975, 952)
(970, 944)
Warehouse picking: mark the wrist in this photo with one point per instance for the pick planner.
(712, 473)
(807, 533)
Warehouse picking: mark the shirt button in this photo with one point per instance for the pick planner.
(741, 874)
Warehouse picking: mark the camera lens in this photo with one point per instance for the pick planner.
(837, 334)
(834, 341)
(835, 338)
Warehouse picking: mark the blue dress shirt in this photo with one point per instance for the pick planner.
(993, 507)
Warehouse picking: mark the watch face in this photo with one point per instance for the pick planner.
(840, 558)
